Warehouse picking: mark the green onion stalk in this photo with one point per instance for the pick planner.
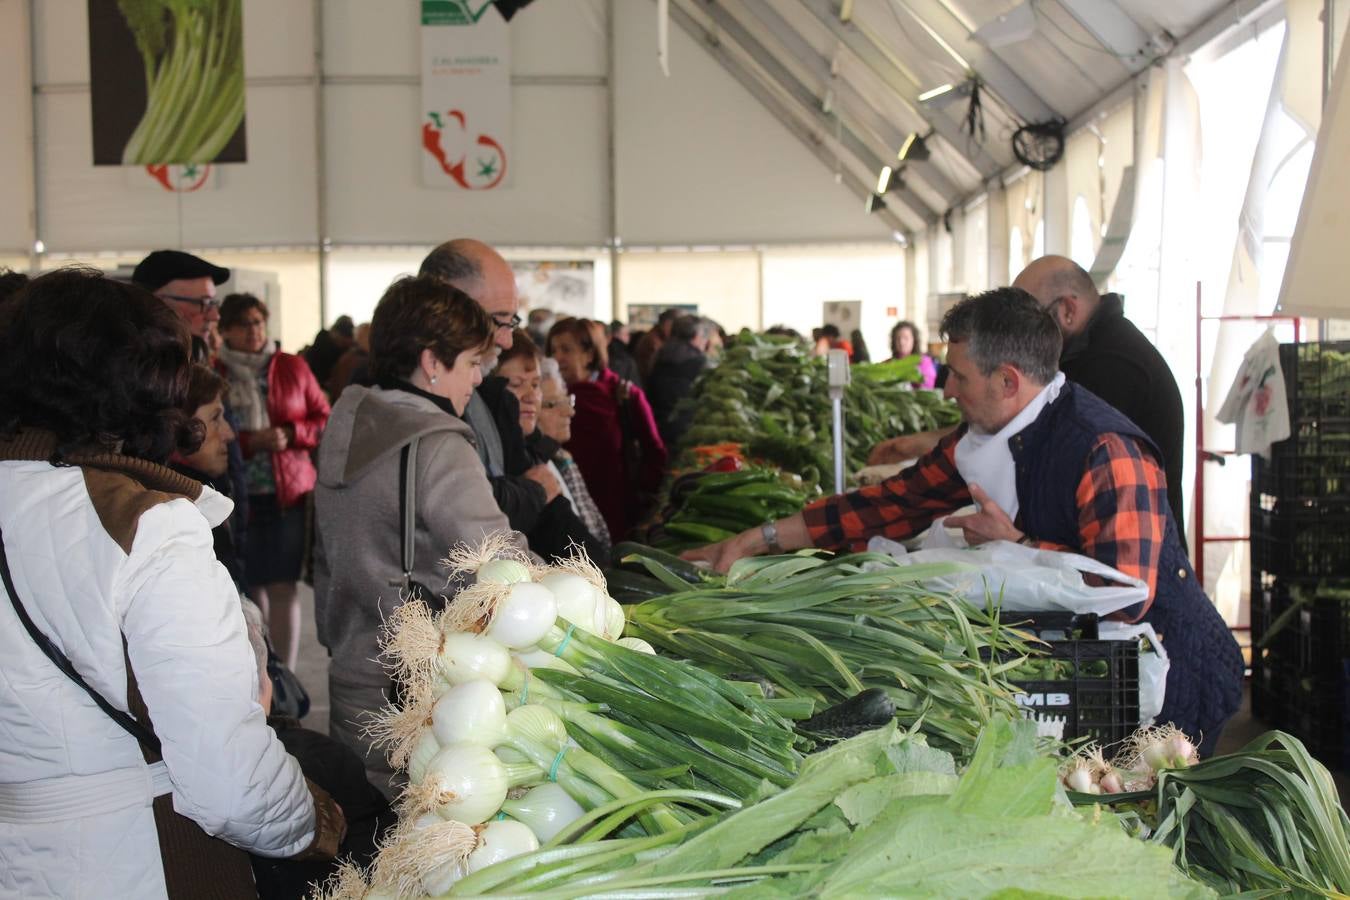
(192, 52)
(827, 628)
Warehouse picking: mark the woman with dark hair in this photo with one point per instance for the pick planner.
(129, 690)
(906, 342)
(614, 437)
(281, 412)
(404, 436)
(563, 521)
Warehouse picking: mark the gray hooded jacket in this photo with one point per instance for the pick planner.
(358, 556)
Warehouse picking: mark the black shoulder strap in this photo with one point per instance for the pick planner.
(142, 734)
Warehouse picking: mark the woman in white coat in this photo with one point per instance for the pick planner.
(145, 767)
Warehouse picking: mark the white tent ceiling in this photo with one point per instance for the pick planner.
(846, 76)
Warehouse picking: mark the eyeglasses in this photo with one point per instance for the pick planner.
(512, 323)
(570, 401)
(202, 303)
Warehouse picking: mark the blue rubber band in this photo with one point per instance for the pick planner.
(567, 637)
(501, 817)
(557, 761)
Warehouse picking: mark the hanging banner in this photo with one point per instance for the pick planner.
(167, 82)
(466, 94)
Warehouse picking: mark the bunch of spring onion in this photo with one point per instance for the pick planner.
(1266, 818)
(826, 628)
(593, 719)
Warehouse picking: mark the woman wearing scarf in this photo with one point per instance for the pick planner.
(281, 411)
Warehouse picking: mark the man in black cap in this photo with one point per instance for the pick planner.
(187, 284)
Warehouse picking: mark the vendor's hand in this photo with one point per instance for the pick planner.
(542, 475)
(990, 523)
(722, 554)
(904, 447)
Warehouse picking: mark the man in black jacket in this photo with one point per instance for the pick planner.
(679, 362)
(479, 271)
(1105, 353)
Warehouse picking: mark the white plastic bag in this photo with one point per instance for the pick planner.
(1022, 578)
(1153, 665)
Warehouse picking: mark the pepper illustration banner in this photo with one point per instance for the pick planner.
(466, 95)
(167, 82)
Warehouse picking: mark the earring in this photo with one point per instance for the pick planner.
(433, 379)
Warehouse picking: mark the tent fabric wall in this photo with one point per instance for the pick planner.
(16, 131)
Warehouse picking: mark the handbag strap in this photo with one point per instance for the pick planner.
(407, 506)
(147, 738)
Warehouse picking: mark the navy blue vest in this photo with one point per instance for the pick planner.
(1204, 685)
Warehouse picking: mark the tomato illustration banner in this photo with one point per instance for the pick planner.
(466, 95)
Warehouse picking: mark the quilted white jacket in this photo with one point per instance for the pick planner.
(196, 672)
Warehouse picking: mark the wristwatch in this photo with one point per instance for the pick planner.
(769, 531)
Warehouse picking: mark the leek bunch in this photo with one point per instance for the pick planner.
(193, 53)
(826, 628)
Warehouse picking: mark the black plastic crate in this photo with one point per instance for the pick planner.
(1093, 687)
(1053, 625)
(1307, 473)
(1315, 708)
(1300, 536)
(1317, 380)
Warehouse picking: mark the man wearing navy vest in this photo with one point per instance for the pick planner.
(1047, 464)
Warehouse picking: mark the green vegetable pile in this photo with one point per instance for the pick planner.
(883, 814)
(826, 628)
(704, 508)
(193, 52)
(771, 396)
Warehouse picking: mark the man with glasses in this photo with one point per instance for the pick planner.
(521, 489)
(1105, 353)
(187, 284)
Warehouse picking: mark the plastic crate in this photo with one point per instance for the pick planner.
(1053, 625)
(1300, 536)
(1304, 474)
(1098, 695)
(1317, 381)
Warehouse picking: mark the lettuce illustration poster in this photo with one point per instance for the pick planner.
(466, 95)
(167, 81)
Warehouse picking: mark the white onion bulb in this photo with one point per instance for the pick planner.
(470, 657)
(546, 809)
(576, 598)
(614, 617)
(500, 840)
(440, 879)
(426, 747)
(524, 615)
(636, 643)
(503, 571)
(473, 712)
(471, 780)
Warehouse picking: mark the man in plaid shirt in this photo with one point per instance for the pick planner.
(1047, 464)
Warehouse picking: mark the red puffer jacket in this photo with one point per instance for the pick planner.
(293, 398)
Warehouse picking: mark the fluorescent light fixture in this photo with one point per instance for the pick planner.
(884, 180)
(899, 238)
(874, 203)
(1012, 27)
(915, 147)
(846, 10)
(936, 92)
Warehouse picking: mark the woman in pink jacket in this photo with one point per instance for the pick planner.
(281, 412)
(614, 437)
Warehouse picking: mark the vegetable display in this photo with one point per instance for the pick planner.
(193, 53)
(770, 396)
(706, 507)
(826, 628)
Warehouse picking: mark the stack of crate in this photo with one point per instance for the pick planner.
(1300, 527)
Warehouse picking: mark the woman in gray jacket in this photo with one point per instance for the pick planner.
(427, 341)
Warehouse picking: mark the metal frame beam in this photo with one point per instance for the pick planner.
(846, 96)
(776, 107)
(876, 59)
(953, 35)
(809, 105)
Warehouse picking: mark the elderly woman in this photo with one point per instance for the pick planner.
(568, 518)
(427, 343)
(282, 411)
(137, 760)
(615, 441)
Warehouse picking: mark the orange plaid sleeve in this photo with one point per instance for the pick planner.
(897, 508)
(1122, 512)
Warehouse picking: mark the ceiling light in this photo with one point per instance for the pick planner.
(874, 203)
(884, 179)
(947, 94)
(928, 96)
(845, 10)
(915, 147)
